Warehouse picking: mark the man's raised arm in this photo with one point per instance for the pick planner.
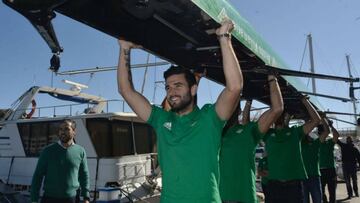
(314, 116)
(246, 112)
(138, 103)
(276, 108)
(326, 131)
(230, 96)
(335, 134)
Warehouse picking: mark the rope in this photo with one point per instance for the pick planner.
(303, 55)
(353, 67)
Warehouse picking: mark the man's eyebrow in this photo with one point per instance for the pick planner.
(175, 83)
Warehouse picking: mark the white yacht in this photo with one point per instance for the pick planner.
(119, 146)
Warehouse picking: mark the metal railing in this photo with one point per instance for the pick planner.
(347, 132)
(74, 109)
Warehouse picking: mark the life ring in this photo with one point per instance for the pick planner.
(33, 108)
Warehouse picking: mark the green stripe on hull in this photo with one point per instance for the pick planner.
(243, 31)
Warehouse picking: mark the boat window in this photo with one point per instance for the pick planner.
(122, 138)
(115, 137)
(38, 138)
(144, 138)
(111, 138)
(99, 132)
(53, 132)
(24, 130)
(35, 136)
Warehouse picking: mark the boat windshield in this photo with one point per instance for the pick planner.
(113, 138)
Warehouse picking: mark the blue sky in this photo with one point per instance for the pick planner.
(284, 24)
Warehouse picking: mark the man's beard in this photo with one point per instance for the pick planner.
(183, 104)
(65, 138)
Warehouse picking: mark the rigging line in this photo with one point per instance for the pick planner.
(145, 74)
(340, 70)
(352, 66)
(303, 55)
(340, 86)
(322, 60)
(339, 67)
(308, 82)
(353, 71)
(325, 63)
(155, 85)
(302, 60)
(90, 78)
(335, 85)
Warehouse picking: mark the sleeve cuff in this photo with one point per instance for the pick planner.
(85, 195)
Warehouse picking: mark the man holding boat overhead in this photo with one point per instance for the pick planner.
(285, 162)
(237, 156)
(188, 138)
(327, 166)
(310, 150)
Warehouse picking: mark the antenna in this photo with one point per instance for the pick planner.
(75, 86)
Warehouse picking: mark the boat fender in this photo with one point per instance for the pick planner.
(33, 108)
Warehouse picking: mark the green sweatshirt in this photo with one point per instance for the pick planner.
(64, 171)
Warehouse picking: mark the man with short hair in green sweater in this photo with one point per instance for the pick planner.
(64, 167)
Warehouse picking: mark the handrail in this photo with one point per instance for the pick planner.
(70, 110)
(11, 164)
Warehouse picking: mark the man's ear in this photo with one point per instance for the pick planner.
(73, 133)
(193, 90)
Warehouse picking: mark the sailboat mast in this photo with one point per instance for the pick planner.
(312, 68)
(351, 85)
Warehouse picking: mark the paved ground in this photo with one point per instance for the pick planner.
(341, 192)
(341, 195)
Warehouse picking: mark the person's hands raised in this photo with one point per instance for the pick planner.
(127, 44)
(226, 27)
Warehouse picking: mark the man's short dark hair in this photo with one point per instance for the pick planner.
(175, 70)
(73, 124)
(320, 129)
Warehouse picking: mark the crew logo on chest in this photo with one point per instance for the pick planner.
(239, 131)
(167, 125)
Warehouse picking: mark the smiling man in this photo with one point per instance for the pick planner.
(188, 138)
(64, 167)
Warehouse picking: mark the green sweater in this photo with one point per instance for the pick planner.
(64, 171)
